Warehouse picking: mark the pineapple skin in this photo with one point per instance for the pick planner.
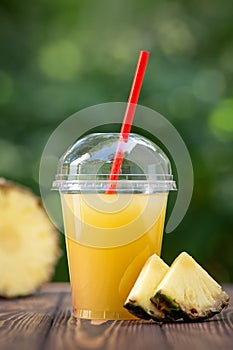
(175, 311)
(172, 311)
(136, 310)
(152, 314)
(179, 310)
(29, 243)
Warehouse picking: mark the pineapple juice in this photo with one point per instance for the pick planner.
(108, 239)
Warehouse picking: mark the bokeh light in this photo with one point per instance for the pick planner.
(221, 120)
(60, 60)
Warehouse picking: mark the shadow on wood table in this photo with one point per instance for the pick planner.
(44, 321)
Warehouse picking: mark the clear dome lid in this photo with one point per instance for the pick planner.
(86, 165)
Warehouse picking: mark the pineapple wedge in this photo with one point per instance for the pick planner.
(29, 246)
(138, 302)
(187, 291)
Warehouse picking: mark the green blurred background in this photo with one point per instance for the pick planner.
(57, 57)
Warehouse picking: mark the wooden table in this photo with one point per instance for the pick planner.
(44, 321)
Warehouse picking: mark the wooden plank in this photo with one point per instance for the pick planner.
(25, 322)
(68, 333)
(42, 299)
(45, 321)
(216, 333)
(71, 334)
(23, 330)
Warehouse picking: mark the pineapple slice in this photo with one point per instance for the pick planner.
(187, 291)
(138, 302)
(29, 246)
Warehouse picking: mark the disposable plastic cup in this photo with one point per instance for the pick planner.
(110, 236)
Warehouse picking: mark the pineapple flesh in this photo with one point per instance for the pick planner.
(138, 302)
(29, 245)
(187, 291)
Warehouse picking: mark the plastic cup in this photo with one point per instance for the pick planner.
(110, 236)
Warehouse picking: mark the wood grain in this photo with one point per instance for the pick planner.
(45, 321)
(25, 322)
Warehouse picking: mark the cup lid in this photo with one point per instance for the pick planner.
(86, 165)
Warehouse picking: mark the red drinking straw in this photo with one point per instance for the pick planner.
(127, 121)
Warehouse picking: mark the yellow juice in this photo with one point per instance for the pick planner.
(109, 238)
